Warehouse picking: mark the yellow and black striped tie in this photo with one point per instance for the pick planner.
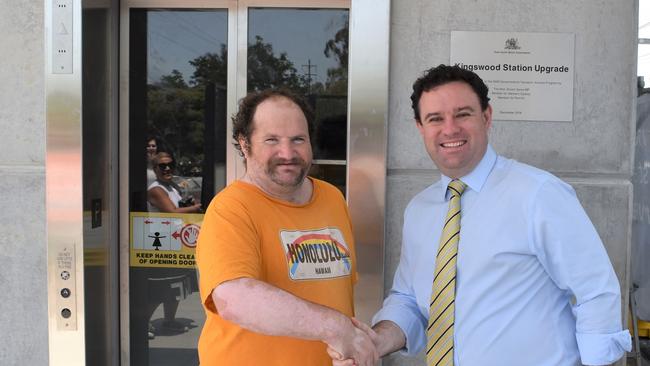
(440, 332)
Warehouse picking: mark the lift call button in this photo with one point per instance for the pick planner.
(64, 290)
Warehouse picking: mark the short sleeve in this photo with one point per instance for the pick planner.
(228, 247)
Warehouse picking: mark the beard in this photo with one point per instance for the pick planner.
(293, 181)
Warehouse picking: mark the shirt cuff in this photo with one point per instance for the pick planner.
(409, 324)
(603, 349)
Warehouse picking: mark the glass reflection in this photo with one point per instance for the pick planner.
(177, 149)
(306, 51)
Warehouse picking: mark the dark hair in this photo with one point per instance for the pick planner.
(444, 74)
(161, 145)
(242, 121)
(160, 155)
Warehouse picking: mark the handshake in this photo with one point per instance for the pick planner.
(361, 345)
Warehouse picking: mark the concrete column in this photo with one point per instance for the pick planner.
(23, 269)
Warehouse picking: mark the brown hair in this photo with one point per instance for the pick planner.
(242, 121)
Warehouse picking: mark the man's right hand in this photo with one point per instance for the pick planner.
(354, 346)
(365, 354)
(385, 335)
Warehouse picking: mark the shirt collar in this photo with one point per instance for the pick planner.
(477, 177)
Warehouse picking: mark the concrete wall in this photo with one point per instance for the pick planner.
(593, 153)
(23, 282)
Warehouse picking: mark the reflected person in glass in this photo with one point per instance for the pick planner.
(163, 195)
(152, 150)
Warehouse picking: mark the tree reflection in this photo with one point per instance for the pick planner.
(265, 70)
(176, 107)
(338, 47)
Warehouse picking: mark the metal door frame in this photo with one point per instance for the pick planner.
(65, 215)
(367, 125)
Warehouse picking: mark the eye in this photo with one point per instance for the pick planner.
(463, 114)
(271, 141)
(434, 119)
(299, 140)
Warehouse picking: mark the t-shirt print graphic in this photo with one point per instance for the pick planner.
(316, 254)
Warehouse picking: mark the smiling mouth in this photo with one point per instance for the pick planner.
(454, 143)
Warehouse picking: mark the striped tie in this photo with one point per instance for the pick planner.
(440, 332)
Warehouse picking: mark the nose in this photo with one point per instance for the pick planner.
(450, 126)
(286, 150)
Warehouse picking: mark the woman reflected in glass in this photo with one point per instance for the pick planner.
(163, 195)
(152, 150)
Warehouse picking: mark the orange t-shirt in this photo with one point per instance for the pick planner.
(307, 250)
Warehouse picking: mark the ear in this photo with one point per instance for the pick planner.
(245, 147)
(420, 127)
(487, 115)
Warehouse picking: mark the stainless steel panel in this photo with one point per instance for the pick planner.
(66, 300)
(62, 34)
(368, 98)
(64, 196)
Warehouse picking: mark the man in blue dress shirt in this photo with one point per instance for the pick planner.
(534, 284)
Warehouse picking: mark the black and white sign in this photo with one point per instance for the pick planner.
(530, 75)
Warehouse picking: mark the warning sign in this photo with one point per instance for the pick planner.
(164, 239)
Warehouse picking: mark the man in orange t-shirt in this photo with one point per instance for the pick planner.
(276, 253)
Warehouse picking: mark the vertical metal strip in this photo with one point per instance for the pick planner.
(64, 185)
(114, 184)
(123, 161)
(367, 139)
(240, 84)
(234, 58)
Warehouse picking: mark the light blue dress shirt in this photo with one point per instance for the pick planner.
(534, 283)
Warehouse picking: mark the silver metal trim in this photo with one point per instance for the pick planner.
(236, 167)
(123, 163)
(343, 4)
(171, 4)
(114, 187)
(64, 190)
(367, 136)
(329, 162)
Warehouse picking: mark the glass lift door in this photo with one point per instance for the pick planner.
(176, 109)
(183, 67)
(178, 88)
